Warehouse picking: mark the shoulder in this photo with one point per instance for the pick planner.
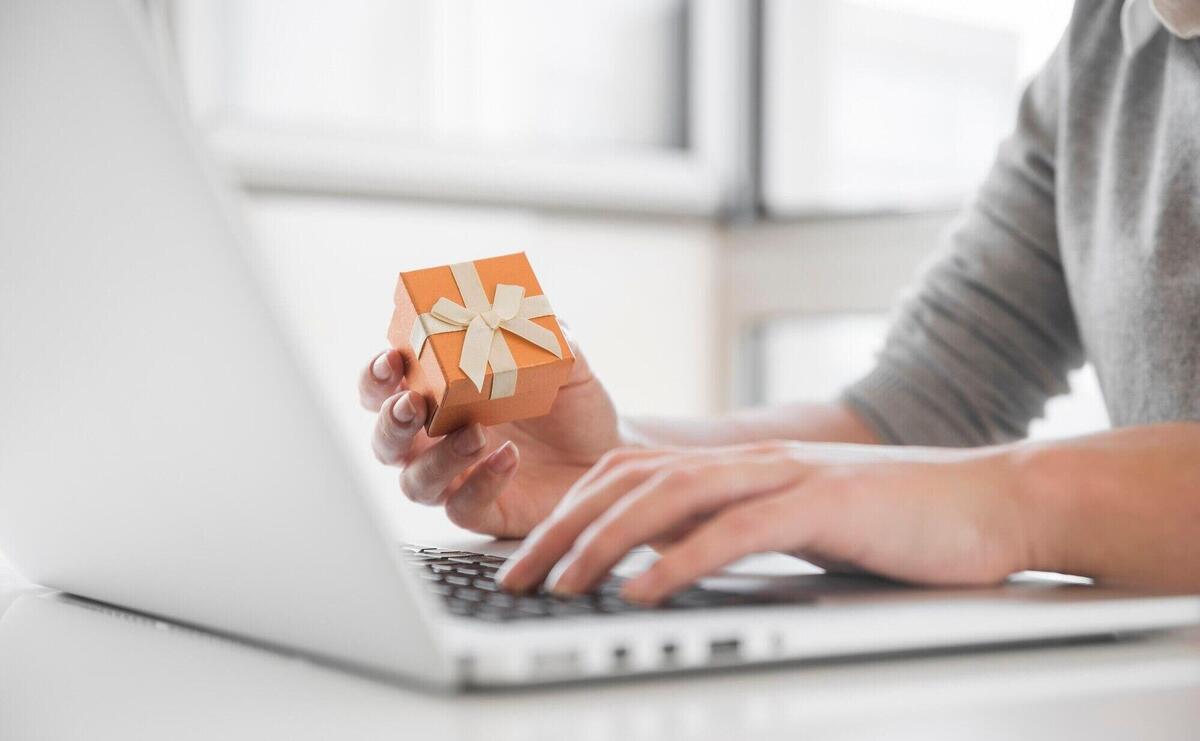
(1094, 32)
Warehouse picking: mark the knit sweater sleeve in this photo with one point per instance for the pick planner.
(988, 335)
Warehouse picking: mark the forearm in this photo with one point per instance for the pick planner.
(1122, 507)
(806, 422)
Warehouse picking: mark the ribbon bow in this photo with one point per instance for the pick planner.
(482, 320)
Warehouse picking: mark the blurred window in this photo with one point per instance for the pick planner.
(863, 105)
(886, 104)
(612, 105)
(596, 73)
(814, 357)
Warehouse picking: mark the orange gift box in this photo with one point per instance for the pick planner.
(480, 342)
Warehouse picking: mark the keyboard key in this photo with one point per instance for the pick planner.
(468, 559)
(533, 606)
(493, 614)
(612, 586)
(500, 599)
(467, 587)
(615, 604)
(572, 608)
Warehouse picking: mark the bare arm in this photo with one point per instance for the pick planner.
(803, 422)
(505, 479)
(1122, 507)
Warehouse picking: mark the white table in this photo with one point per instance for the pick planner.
(72, 672)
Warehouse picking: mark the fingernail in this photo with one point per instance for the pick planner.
(503, 572)
(469, 440)
(503, 459)
(403, 410)
(510, 564)
(381, 368)
(562, 579)
(508, 581)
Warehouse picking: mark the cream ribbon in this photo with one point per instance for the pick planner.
(482, 320)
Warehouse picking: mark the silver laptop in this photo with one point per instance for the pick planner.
(161, 451)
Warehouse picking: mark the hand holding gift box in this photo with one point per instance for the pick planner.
(480, 342)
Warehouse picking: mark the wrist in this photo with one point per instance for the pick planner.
(1038, 478)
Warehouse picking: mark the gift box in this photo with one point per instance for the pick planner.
(480, 342)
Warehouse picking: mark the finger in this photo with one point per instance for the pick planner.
(397, 427)
(660, 506)
(609, 462)
(381, 378)
(472, 504)
(663, 541)
(766, 524)
(616, 473)
(429, 475)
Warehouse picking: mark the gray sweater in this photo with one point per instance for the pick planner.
(1083, 243)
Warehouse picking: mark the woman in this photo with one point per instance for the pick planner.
(1083, 243)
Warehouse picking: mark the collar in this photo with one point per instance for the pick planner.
(1139, 23)
(1141, 19)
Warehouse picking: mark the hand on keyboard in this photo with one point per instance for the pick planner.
(466, 582)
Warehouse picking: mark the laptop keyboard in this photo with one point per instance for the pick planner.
(467, 585)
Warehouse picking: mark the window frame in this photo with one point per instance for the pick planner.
(712, 176)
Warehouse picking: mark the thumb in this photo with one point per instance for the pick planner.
(473, 503)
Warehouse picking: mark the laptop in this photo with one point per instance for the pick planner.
(161, 450)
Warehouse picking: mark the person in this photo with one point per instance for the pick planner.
(1083, 243)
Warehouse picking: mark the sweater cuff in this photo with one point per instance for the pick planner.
(897, 414)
